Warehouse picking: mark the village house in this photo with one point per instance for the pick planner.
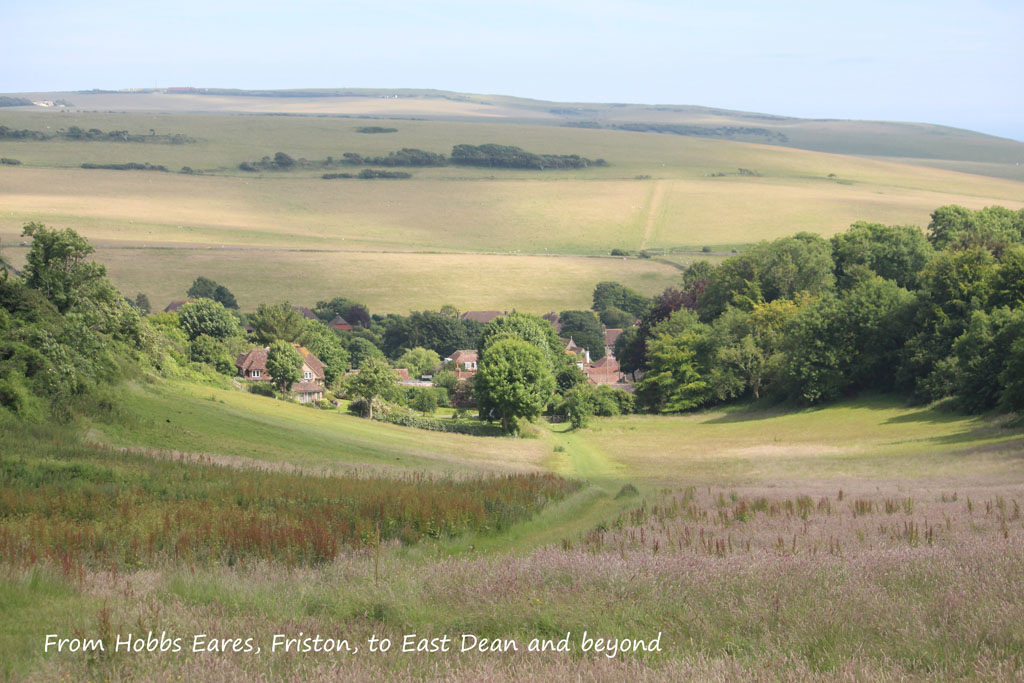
(340, 324)
(464, 362)
(610, 336)
(306, 313)
(176, 305)
(604, 371)
(252, 366)
(574, 349)
(554, 319)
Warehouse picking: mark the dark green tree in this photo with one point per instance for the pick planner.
(284, 364)
(207, 317)
(514, 382)
(327, 346)
(273, 322)
(375, 379)
(894, 252)
(56, 266)
(360, 350)
(610, 294)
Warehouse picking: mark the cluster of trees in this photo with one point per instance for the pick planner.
(130, 166)
(882, 308)
(404, 157)
(279, 162)
(205, 288)
(78, 133)
(490, 156)
(507, 156)
(617, 305)
(375, 129)
(65, 332)
(704, 131)
(369, 174)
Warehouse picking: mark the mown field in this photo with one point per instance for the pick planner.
(866, 539)
(659, 191)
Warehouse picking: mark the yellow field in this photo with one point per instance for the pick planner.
(386, 282)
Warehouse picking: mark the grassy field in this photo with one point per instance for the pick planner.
(386, 282)
(659, 191)
(866, 539)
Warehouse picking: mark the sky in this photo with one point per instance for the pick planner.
(953, 63)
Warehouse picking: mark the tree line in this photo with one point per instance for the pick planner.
(805, 319)
(489, 156)
(80, 134)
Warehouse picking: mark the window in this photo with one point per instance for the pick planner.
(254, 373)
(307, 375)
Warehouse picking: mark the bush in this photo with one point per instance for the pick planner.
(262, 389)
(407, 419)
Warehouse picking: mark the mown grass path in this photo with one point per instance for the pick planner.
(567, 519)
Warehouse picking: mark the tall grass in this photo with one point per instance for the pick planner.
(76, 507)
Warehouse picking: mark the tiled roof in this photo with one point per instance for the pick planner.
(610, 335)
(307, 387)
(306, 313)
(175, 305)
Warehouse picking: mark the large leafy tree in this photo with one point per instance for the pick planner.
(514, 382)
(673, 383)
(615, 295)
(531, 329)
(273, 322)
(56, 266)
(354, 313)
(374, 379)
(205, 288)
(327, 346)
(894, 252)
(419, 361)
(207, 317)
(284, 364)
(781, 269)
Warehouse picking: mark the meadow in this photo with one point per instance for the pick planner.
(866, 539)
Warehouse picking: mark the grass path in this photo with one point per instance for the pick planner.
(653, 209)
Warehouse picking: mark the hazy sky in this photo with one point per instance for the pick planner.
(956, 63)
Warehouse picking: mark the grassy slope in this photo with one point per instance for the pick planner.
(226, 422)
(871, 438)
(451, 588)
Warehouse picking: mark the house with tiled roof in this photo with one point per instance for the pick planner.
(306, 313)
(252, 366)
(610, 336)
(554, 319)
(574, 349)
(604, 371)
(176, 305)
(340, 324)
(463, 362)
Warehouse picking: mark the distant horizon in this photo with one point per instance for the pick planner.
(144, 88)
(936, 61)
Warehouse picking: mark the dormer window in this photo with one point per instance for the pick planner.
(255, 374)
